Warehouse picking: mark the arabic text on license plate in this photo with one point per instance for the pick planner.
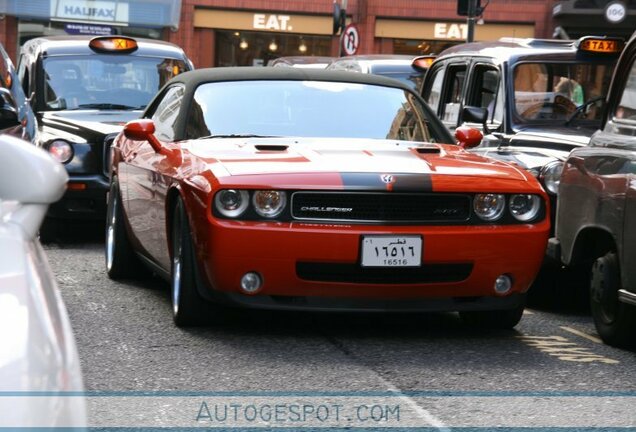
(391, 251)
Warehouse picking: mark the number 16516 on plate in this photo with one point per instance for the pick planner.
(391, 251)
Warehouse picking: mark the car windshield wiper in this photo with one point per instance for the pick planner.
(109, 106)
(582, 108)
(238, 135)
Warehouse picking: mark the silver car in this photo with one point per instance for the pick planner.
(39, 363)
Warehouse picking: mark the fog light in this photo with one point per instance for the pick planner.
(251, 282)
(503, 284)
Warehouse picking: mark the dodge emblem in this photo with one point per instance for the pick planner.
(387, 178)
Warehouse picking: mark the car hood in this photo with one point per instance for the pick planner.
(87, 123)
(525, 157)
(557, 138)
(366, 158)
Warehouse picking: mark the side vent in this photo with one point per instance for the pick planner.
(270, 147)
(427, 150)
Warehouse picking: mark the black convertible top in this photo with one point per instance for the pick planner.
(193, 79)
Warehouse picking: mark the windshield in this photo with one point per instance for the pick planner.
(552, 92)
(311, 109)
(105, 81)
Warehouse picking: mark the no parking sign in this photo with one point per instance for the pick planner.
(350, 39)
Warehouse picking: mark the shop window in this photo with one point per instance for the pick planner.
(234, 48)
(419, 47)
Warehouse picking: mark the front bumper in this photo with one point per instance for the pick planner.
(85, 198)
(316, 266)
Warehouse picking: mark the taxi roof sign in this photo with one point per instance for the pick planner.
(600, 45)
(113, 44)
(423, 62)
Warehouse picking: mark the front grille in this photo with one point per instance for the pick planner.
(354, 273)
(380, 207)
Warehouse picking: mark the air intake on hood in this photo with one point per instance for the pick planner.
(271, 147)
(427, 149)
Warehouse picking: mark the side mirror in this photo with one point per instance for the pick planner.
(143, 130)
(468, 137)
(8, 110)
(139, 130)
(8, 117)
(30, 176)
(475, 114)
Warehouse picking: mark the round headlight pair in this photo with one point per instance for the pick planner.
(550, 176)
(267, 203)
(62, 151)
(491, 207)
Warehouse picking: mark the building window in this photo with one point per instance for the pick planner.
(420, 47)
(234, 48)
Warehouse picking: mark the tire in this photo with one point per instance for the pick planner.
(121, 261)
(615, 321)
(188, 307)
(497, 319)
(49, 231)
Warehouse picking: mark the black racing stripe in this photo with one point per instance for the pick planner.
(387, 182)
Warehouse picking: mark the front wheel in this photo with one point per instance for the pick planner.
(497, 319)
(188, 306)
(121, 261)
(615, 321)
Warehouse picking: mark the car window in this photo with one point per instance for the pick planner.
(165, 115)
(484, 82)
(626, 109)
(97, 81)
(453, 94)
(553, 91)
(433, 93)
(312, 109)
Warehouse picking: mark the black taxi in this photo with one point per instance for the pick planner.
(596, 217)
(534, 99)
(83, 90)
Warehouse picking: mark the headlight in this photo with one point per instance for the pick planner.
(61, 150)
(550, 176)
(524, 207)
(269, 203)
(489, 207)
(231, 203)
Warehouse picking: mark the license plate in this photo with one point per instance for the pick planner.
(391, 251)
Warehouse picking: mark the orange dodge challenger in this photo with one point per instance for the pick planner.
(282, 188)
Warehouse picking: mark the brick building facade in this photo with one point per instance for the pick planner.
(396, 26)
(246, 32)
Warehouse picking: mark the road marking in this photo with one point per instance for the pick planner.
(421, 412)
(563, 349)
(582, 334)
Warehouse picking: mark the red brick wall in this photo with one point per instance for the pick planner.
(9, 36)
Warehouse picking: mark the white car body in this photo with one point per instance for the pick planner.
(39, 362)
